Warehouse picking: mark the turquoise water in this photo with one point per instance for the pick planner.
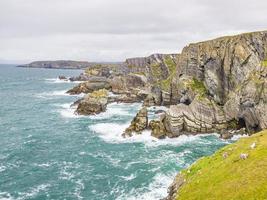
(47, 152)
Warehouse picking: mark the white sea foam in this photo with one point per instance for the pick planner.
(57, 93)
(157, 189)
(79, 188)
(2, 168)
(33, 191)
(130, 177)
(67, 111)
(115, 109)
(5, 196)
(57, 80)
(237, 137)
(111, 132)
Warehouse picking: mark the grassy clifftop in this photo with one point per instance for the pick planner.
(229, 175)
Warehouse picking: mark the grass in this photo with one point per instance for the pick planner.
(215, 177)
(264, 63)
(198, 87)
(169, 62)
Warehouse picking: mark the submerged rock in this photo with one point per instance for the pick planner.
(93, 103)
(138, 124)
(62, 78)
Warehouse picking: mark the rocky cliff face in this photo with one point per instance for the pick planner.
(231, 73)
(211, 86)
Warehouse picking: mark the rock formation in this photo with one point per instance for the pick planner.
(93, 84)
(138, 124)
(93, 103)
(211, 86)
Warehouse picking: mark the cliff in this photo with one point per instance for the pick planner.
(218, 83)
(237, 171)
(212, 86)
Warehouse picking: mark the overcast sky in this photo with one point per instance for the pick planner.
(112, 30)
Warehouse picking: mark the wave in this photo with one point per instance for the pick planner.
(157, 189)
(5, 196)
(67, 111)
(116, 109)
(57, 93)
(57, 80)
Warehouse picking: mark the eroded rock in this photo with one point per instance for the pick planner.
(138, 124)
(93, 103)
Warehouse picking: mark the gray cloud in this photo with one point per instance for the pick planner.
(111, 30)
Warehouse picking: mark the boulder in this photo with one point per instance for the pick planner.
(138, 124)
(93, 103)
(62, 78)
(157, 129)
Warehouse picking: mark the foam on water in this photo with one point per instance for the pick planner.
(33, 192)
(57, 80)
(115, 109)
(56, 94)
(112, 133)
(5, 196)
(156, 190)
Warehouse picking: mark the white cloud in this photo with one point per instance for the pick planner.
(111, 30)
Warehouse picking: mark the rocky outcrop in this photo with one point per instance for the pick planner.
(157, 129)
(93, 84)
(138, 124)
(93, 103)
(128, 83)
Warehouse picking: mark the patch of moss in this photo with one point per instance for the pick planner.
(233, 124)
(229, 177)
(156, 70)
(198, 87)
(98, 94)
(169, 62)
(264, 63)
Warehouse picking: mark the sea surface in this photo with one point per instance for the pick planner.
(48, 152)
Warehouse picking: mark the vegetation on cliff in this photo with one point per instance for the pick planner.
(237, 171)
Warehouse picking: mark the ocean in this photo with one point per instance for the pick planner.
(48, 152)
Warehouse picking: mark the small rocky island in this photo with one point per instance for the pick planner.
(212, 86)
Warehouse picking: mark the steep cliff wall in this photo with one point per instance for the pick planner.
(231, 73)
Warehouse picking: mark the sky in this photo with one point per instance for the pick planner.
(113, 30)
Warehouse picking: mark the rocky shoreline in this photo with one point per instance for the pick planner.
(212, 86)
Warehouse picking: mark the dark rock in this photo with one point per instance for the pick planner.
(62, 78)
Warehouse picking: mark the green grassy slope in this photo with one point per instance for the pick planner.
(229, 177)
